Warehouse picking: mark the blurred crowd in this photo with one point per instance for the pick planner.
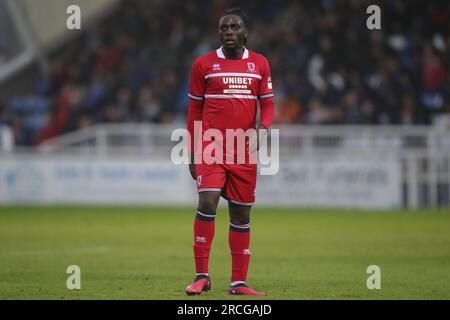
(327, 66)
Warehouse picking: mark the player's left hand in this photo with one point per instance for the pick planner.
(254, 139)
(192, 167)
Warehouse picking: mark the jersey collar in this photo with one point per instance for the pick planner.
(221, 55)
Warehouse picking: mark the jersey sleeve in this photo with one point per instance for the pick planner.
(197, 82)
(265, 85)
(265, 96)
(196, 96)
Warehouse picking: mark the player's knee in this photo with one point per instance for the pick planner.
(240, 217)
(208, 200)
(239, 214)
(207, 204)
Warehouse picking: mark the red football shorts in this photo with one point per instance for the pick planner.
(237, 182)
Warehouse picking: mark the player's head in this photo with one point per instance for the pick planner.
(233, 28)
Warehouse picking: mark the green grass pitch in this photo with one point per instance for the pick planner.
(146, 253)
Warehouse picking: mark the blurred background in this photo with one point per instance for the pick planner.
(86, 115)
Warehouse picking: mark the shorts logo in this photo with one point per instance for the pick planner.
(251, 67)
(199, 181)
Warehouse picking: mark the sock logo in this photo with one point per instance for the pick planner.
(246, 251)
(200, 239)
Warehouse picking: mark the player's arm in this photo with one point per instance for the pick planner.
(265, 97)
(195, 109)
(267, 107)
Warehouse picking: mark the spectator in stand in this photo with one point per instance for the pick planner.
(149, 109)
(133, 65)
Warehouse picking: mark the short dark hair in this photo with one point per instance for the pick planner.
(236, 11)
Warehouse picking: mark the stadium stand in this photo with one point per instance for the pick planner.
(328, 68)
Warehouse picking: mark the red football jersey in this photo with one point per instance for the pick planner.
(230, 88)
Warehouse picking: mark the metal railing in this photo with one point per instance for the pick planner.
(151, 139)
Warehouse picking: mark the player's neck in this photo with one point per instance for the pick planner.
(234, 53)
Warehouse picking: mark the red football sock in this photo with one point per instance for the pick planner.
(204, 226)
(239, 240)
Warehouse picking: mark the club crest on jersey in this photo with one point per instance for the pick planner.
(251, 67)
(216, 67)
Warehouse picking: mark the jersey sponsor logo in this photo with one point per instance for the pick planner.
(237, 80)
(237, 84)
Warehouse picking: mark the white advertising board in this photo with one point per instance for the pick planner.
(336, 183)
(343, 183)
(94, 181)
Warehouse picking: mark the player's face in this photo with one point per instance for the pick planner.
(232, 31)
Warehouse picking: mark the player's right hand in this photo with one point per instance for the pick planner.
(255, 138)
(192, 171)
(192, 167)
